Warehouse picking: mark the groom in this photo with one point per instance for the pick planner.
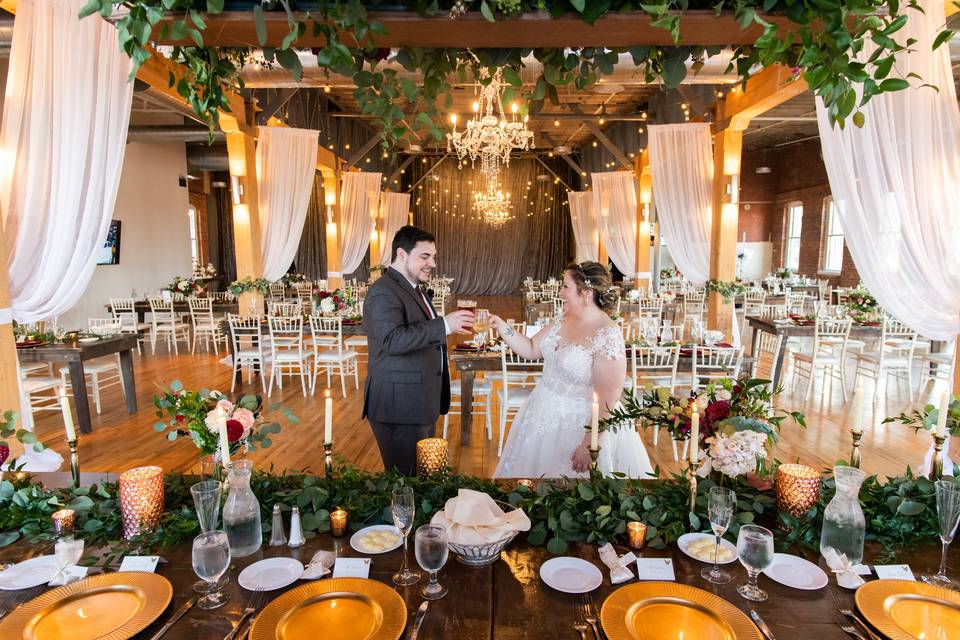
(408, 381)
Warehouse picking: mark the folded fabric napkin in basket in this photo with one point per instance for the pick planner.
(475, 518)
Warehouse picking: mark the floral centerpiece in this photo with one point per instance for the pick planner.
(290, 279)
(861, 302)
(209, 271)
(667, 274)
(197, 414)
(737, 421)
(333, 301)
(783, 274)
(260, 285)
(727, 290)
(185, 286)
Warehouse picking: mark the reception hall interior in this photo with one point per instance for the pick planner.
(198, 197)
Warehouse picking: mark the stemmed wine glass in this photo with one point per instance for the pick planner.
(755, 547)
(948, 511)
(206, 501)
(211, 559)
(481, 324)
(430, 547)
(720, 509)
(404, 509)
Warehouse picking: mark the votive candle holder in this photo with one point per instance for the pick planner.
(431, 456)
(636, 535)
(141, 500)
(338, 522)
(797, 488)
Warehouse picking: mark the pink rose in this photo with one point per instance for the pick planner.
(224, 404)
(245, 417)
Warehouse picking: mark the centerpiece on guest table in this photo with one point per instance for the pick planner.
(861, 304)
(185, 286)
(332, 302)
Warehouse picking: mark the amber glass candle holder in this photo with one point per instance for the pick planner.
(431, 456)
(62, 522)
(636, 535)
(141, 500)
(338, 522)
(798, 489)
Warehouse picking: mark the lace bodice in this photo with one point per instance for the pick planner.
(568, 366)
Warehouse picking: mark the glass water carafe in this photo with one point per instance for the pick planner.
(844, 526)
(241, 512)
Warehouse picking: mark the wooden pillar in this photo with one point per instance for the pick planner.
(331, 195)
(645, 197)
(9, 376)
(376, 207)
(726, 211)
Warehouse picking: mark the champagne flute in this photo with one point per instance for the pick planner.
(211, 559)
(948, 511)
(403, 509)
(755, 547)
(431, 549)
(481, 324)
(206, 502)
(720, 509)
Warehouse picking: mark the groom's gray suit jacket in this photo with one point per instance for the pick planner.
(408, 380)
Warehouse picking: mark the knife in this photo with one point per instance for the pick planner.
(762, 625)
(421, 614)
(186, 606)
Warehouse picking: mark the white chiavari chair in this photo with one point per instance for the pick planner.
(766, 349)
(329, 353)
(713, 363)
(284, 309)
(246, 334)
(166, 324)
(894, 355)
(124, 311)
(100, 373)
(482, 392)
(828, 354)
(204, 324)
(937, 365)
(518, 382)
(657, 366)
(278, 291)
(288, 356)
(303, 291)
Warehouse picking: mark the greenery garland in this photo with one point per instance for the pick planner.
(900, 512)
(827, 42)
(727, 290)
(258, 285)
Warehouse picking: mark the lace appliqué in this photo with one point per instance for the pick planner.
(608, 343)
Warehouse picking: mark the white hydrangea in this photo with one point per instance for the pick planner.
(327, 306)
(736, 454)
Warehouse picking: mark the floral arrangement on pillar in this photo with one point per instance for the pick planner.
(258, 285)
(727, 290)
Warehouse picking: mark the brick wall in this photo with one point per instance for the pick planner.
(199, 202)
(798, 174)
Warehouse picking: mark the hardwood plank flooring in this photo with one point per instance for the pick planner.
(121, 441)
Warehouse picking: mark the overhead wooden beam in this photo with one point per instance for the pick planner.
(396, 174)
(408, 29)
(553, 173)
(271, 108)
(429, 171)
(604, 140)
(362, 151)
(566, 157)
(765, 90)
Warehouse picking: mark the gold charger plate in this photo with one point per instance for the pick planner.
(667, 610)
(109, 606)
(344, 608)
(903, 609)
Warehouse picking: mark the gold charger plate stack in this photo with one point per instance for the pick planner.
(656, 610)
(344, 608)
(110, 606)
(904, 610)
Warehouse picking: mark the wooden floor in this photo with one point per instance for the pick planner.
(121, 440)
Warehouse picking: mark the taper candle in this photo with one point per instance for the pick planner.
(857, 421)
(942, 415)
(224, 440)
(67, 416)
(595, 423)
(327, 417)
(694, 435)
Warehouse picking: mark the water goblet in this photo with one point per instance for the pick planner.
(755, 547)
(948, 512)
(206, 502)
(59, 332)
(403, 508)
(430, 547)
(211, 559)
(720, 509)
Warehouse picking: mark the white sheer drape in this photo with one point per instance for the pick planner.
(359, 197)
(681, 163)
(394, 208)
(615, 207)
(584, 225)
(286, 164)
(896, 185)
(62, 141)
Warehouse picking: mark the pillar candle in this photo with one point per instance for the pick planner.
(857, 425)
(694, 435)
(67, 416)
(942, 416)
(327, 418)
(224, 439)
(595, 423)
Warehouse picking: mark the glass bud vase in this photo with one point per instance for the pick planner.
(844, 525)
(241, 512)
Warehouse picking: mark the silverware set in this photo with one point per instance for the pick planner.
(859, 629)
(585, 618)
(253, 607)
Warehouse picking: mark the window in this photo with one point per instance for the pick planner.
(791, 255)
(192, 221)
(832, 247)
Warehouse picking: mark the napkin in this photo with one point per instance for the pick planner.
(846, 571)
(619, 565)
(319, 565)
(475, 518)
(67, 575)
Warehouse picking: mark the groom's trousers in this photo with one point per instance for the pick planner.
(398, 444)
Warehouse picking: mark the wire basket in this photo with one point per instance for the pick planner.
(479, 555)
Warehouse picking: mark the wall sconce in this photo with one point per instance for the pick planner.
(236, 189)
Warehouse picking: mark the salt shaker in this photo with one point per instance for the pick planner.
(277, 536)
(296, 529)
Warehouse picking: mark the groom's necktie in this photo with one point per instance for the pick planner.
(421, 296)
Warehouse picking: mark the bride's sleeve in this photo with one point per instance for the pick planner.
(609, 344)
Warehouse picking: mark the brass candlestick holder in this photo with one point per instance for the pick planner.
(328, 459)
(855, 452)
(594, 454)
(936, 470)
(694, 467)
(74, 461)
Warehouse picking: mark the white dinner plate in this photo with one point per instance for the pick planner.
(687, 539)
(357, 543)
(571, 575)
(29, 573)
(90, 339)
(795, 572)
(270, 574)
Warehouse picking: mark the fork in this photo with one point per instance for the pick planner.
(849, 613)
(590, 615)
(853, 632)
(256, 601)
(578, 625)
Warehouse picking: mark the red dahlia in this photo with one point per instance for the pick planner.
(4, 453)
(234, 430)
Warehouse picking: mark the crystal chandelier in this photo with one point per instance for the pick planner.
(489, 136)
(493, 204)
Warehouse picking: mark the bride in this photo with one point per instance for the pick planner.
(583, 354)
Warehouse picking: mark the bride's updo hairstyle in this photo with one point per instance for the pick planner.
(593, 276)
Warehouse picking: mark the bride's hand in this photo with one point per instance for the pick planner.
(497, 323)
(581, 458)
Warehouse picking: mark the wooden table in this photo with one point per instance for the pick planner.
(142, 307)
(506, 600)
(74, 354)
(793, 330)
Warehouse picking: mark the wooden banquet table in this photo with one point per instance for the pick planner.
(74, 354)
(504, 601)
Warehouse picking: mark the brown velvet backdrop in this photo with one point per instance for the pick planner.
(311, 258)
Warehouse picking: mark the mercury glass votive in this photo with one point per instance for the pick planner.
(431, 456)
(798, 488)
(636, 535)
(141, 499)
(62, 522)
(338, 522)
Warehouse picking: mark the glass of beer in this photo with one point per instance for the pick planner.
(466, 305)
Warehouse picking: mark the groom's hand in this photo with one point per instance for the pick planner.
(460, 322)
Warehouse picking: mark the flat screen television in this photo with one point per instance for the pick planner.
(110, 252)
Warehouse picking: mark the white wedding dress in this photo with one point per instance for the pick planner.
(549, 425)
